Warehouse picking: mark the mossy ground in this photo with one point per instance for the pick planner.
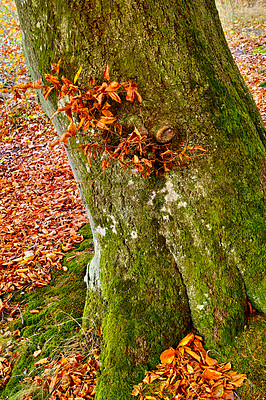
(56, 328)
(247, 355)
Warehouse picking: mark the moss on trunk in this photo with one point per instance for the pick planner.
(188, 245)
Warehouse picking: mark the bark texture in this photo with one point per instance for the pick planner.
(179, 250)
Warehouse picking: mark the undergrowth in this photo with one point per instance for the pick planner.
(50, 322)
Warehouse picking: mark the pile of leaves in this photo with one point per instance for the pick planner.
(70, 378)
(187, 372)
(91, 107)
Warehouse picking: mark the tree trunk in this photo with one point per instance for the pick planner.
(179, 250)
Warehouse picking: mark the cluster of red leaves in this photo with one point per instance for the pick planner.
(70, 378)
(40, 208)
(108, 140)
(189, 373)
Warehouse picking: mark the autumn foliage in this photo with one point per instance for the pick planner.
(89, 112)
(188, 372)
(69, 378)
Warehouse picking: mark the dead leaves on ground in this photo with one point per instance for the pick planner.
(40, 206)
(251, 63)
(188, 372)
(70, 378)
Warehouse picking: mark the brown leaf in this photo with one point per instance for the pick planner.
(56, 67)
(42, 361)
(37, 353)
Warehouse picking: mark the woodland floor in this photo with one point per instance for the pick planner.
(41, 210)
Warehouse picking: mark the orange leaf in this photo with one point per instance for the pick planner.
(42, 361)
(107, 113)
(138, 96)
(37, 84)
(136, 161)
(112, 86)
(81, 122)
(64, 137)
(106, 105)
(37, 353)
(47, 91)
(114, 96)
(190, 369)
(72, 129)
(186, 340)
(91, 81)
(167, 356)
(211, 374)
(51, 78)
(149, 378)
(192, 354)
(101, 125)
(24, 85)
(210, 361)
(106, 73)
(239, 381)
(107, 120)
(66, 81)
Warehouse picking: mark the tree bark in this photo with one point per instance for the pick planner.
(180, 250)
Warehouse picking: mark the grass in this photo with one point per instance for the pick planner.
(55, 325)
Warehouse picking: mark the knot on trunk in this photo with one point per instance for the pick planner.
(164, 134)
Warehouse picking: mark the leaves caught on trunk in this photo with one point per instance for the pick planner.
(189, 373)
(91, 107)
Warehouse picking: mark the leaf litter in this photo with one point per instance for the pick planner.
(41, 210)
(188, 372)
(40, 206)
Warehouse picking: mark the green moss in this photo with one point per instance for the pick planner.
(247, 356)
(60, 306)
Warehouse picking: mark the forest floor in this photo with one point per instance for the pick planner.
(41, 210)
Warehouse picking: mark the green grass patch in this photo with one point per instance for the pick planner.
(260, 49)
